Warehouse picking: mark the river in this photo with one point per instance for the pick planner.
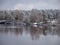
(29, 35)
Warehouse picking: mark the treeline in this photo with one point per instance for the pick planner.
(30, 16)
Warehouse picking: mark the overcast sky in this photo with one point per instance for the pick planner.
(29, 4)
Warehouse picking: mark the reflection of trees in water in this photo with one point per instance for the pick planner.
(58, 30)
(4, 30)
(12, 30)
(44, 30)
(18, 31)
(34, 32)
(27, 29)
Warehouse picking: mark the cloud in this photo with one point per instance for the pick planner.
(29, 4)
(37, 5)
(24, 6)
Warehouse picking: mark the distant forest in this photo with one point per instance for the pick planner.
(30, 16)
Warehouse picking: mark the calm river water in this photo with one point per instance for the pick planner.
(29, 35)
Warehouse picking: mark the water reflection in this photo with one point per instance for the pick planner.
(39, 35)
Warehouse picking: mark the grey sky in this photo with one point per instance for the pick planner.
(29, 4)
